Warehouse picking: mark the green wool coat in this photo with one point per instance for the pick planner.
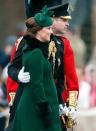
(40, 89)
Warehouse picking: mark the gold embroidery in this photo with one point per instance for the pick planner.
(12, 95)
(73, 98)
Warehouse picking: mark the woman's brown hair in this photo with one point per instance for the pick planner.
(32, 27)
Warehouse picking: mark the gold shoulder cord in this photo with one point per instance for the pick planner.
(52, 52)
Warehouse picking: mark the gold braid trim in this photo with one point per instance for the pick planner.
(73, 98)
(12, 95)
(52, 49)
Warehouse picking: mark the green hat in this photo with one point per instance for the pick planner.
(44, 18)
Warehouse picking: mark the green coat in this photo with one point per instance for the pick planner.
(40, 89)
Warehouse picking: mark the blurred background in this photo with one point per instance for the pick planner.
(81, 33)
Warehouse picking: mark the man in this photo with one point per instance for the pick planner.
(58, 39)
(61, 18)
(66, 73)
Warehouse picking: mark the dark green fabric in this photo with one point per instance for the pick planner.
(44, 18)
(40, 89)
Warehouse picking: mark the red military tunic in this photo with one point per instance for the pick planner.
(11, 84)
(69, 70)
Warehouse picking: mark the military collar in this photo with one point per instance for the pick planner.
(56, 39)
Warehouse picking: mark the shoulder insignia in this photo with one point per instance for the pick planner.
(18, 42)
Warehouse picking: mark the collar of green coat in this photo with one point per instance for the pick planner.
(33, 43)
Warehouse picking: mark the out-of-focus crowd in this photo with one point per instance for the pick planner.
(87, 86)
(5, 54)
(4, 61)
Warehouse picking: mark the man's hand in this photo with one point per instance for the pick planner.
(72, 112)
(23, 77)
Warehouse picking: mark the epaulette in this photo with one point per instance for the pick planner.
(63, 37)
(18, 42)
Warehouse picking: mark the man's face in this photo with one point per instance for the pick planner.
(60, 25)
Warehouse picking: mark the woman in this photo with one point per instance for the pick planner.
(38, 106)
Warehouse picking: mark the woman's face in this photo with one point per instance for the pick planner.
(44, 34)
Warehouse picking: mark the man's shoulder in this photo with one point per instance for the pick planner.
(64, 39)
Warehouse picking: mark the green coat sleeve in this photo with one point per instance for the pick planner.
(36, 66)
